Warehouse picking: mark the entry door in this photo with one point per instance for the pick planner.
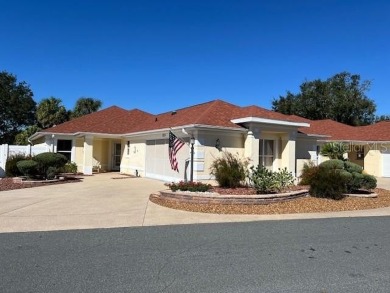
(117, 155)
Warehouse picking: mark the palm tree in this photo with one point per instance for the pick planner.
(334, 150)
(85, 106)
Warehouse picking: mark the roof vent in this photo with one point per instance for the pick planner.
(173, 112)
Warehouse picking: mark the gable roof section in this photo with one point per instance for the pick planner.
(113, 120)
(216, 113)
(338, 131)
(376, 132)
(255, 111)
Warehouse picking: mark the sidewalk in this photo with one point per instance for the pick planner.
(103, 202)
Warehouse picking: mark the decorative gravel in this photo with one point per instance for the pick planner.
(301, 205)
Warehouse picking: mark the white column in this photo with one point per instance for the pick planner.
(252, 148)
(289, 154)
(88, 155)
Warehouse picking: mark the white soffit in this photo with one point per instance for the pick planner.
(270, 121)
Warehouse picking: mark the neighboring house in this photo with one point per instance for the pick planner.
(136, 142)
(367, 146)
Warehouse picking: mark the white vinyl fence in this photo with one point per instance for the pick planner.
(9, 150)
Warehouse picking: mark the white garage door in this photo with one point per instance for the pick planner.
(386, 164)
(157, 163)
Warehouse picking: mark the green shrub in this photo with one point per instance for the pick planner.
(328, 183)
(283, 178)
(11, 168)
(263, 180)
(308, 172)
(334, 177)
(47, 160)
(352, 167)
(266, 181)
(333, 164)
(70, 167)
(189, 186)
(51, 172)
(355, 182)
(229, 170)
(369, 182)
(346, 175)
(28, 168)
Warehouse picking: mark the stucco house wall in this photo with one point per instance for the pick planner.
(134, 156)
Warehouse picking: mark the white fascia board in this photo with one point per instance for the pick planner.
(186, 127)
(356, 141)
(269, 121)
(76, 134)
(315, 135)
(40, 134)
(97, 134)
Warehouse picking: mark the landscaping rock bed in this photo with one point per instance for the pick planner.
(300, 205)
(12, 183)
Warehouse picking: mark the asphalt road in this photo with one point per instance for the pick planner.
(325, 255)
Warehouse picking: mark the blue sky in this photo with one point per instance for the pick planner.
(163, 55)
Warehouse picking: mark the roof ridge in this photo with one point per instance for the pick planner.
(208, 109)
(192, 106)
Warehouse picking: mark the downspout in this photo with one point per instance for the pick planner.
(31, 144)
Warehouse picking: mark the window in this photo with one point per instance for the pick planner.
(266, 153)
(64, 146)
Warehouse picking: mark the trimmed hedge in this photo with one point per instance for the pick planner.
(333, 164)
(352, 167)
(333, 178)
(189, 186)
(49, 163)
(28, 168)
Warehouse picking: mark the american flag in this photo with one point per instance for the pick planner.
(175, 145)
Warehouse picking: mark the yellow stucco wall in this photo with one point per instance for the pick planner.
(101, 154)
(79, 145)
(133, 157)
(372, 162)
(206, 152)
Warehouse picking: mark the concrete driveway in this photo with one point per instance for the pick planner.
(103, 202)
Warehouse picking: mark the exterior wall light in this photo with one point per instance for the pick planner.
(218, 144)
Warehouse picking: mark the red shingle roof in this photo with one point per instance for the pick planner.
(217, 113)
(339, 131)
(115, 120)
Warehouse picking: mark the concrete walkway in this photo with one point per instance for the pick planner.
(103, 202)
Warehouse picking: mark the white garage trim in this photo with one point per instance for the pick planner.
(386, 164)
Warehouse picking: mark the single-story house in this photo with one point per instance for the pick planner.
(136, 142)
